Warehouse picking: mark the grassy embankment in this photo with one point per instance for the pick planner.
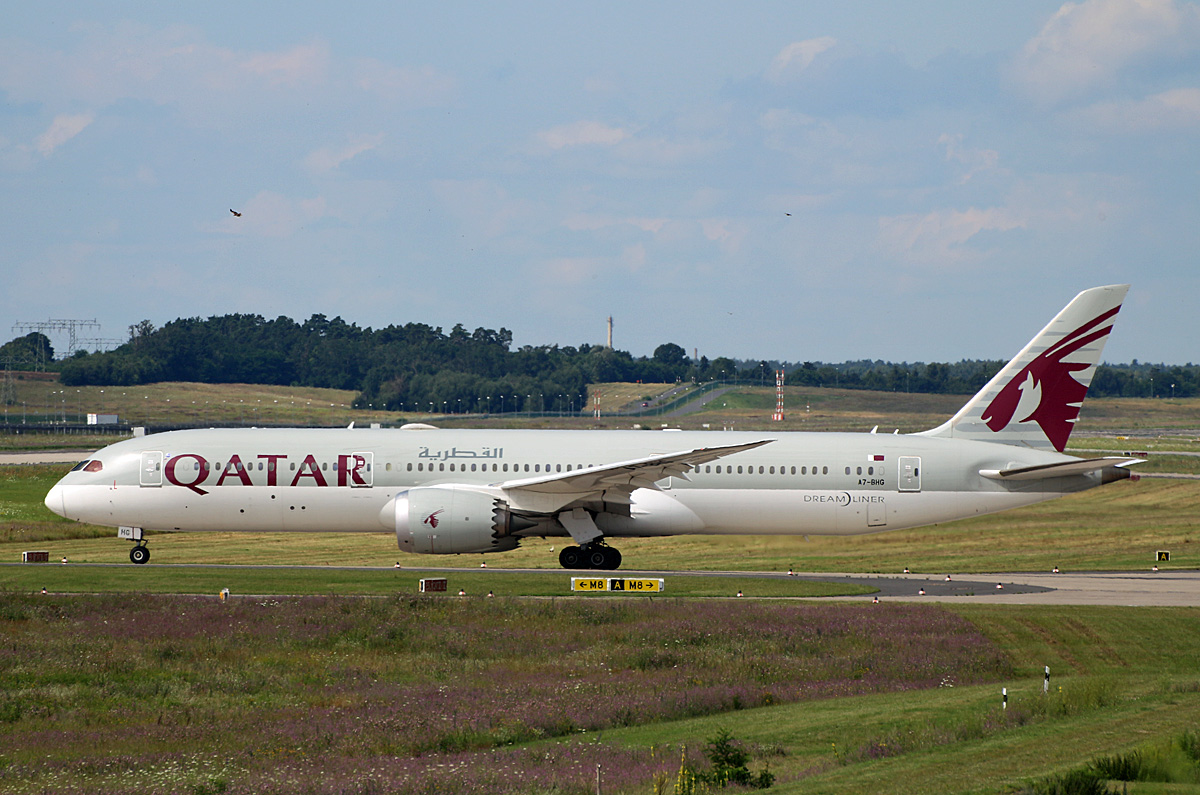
(156, 694)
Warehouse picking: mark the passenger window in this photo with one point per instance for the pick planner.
(760, 470)
(793, 470)
(870, 470)
(452, 467)
(739, 470)
(824, 470)
(772, 470)
(472, 467)
(860, 470)
(441, 467)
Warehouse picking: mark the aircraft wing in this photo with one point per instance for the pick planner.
(1080, 467)
(610, 483)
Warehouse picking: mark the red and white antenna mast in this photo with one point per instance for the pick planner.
(778, 415)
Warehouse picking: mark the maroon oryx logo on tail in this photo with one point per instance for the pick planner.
(1047, 385)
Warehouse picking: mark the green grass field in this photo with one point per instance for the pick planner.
(148, 695)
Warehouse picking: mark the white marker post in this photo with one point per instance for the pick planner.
(1004, 693)
(1046, 682)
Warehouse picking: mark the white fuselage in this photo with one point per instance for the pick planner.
(306, 480)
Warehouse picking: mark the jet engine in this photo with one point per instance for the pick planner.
(449, 519)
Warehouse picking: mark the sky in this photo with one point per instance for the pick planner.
(924, 181)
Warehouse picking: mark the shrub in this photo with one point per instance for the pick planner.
(729, 764)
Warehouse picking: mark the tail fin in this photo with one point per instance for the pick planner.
(1035, 399)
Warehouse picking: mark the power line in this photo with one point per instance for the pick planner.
(55, 325)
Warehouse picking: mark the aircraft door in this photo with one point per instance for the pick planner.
(151, 472)
(910, 473)
(365, 464)
(356, 470)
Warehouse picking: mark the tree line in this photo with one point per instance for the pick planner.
(416, 367)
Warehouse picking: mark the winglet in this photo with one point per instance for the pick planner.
(1035, 399)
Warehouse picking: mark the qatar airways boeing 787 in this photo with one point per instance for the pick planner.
(469, 491)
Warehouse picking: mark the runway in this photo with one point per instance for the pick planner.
(1170, 588)
(1118, 588)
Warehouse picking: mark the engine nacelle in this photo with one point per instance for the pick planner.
(449, 519)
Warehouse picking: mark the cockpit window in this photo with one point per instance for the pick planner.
(80, 465)
(94, 465)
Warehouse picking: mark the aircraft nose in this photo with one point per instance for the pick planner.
(55, 500)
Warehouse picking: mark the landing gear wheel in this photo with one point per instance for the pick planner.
(597, 558)
(139, 554)
(612, 558)
(571, 558)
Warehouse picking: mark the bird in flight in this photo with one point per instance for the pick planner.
(236, 214)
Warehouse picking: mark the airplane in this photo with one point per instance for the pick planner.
(444, 491)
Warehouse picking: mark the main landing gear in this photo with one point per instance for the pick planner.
(590, 556)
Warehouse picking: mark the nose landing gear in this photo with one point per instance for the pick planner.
(590, 556)
(140, 552)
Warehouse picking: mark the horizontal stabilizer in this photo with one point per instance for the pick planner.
(1066, 468)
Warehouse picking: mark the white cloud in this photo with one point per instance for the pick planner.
(178, 66)
(420, 86)
(1170, 110)
(583, 133)
(727, 234)
(588, 222)
(937, 238)
(484, 209)
(797, 56)
(571, 270)
(974, 160)
(1084, 45)
(302, 64)
(327, 159)
(61, 130)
